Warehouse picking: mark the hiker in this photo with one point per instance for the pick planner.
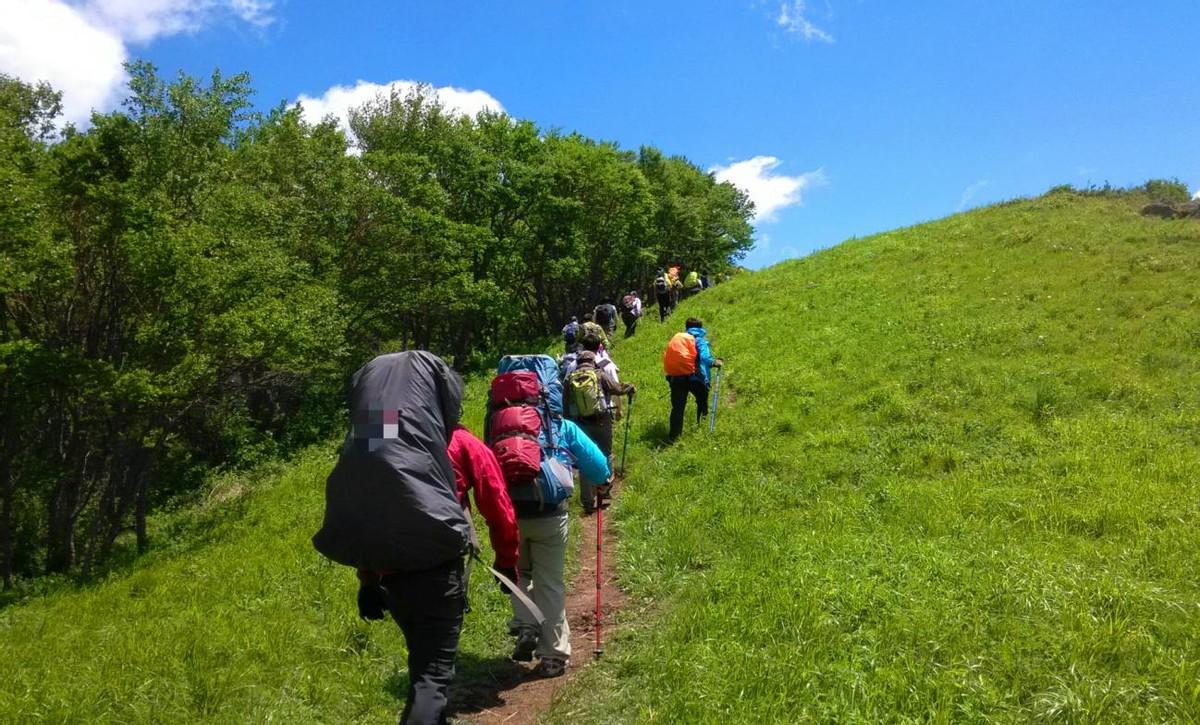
(605, 315)
(687, 363)
(591, 393)
(631, 312)
(662, 295)
(704, 281)
(570, 333)
(590, 327)
(396, 509)
(536, 448)
(691, 284)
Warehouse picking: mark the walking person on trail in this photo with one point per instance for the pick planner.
(605, 315)
(396, 509)
(662, 295)
(631, 312)
(590, 327)
(687, 362)
(537, 448)
(691, 284)
(570, 333)
(591, 392)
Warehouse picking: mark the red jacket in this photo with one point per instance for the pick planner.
(476, 468)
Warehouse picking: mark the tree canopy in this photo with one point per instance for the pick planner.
(187, 283)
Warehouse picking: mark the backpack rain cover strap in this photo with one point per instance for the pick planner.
(391, 502)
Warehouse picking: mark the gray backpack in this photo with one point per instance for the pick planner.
(391, 501)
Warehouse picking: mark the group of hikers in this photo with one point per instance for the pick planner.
(398, 499)
(670, 288)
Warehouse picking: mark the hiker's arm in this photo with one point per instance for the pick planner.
(591, 461)
(491, 496)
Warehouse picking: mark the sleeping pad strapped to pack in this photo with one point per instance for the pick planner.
(390, 502)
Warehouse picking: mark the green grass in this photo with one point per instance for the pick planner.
(957, 482)
(952, 479)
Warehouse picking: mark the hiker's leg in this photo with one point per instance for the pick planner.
(679, 393)
(428, 606)
(700, 392)
(548, 542)
(522, 617)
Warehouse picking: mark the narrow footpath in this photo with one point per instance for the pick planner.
(514, 695)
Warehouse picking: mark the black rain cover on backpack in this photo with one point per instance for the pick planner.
(390, 502)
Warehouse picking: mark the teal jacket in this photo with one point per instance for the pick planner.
(574, 443)
(704, 356)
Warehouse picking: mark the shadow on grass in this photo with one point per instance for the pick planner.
(479, 684)
(657, 435)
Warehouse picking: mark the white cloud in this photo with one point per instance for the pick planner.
(970, 193)
(79, 47)
(339, 100)
(792, 18)
(770, 192)
(1196, 196)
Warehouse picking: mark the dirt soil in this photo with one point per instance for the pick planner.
(514, 694)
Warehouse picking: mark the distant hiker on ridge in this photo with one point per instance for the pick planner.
(662, 295)
(570, 333)
(631, 312)
(589, 327)
(687, 362)
(605, 315)
(395, 509)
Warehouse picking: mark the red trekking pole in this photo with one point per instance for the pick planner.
(599, 566)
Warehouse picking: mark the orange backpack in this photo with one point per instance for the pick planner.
(680, 356)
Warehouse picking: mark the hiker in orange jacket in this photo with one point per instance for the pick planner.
(687, 362)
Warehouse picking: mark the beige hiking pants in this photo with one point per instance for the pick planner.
(543, 560)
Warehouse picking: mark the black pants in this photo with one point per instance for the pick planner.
(665, 306)
(630, 324)
(428, 605)
(680, 389)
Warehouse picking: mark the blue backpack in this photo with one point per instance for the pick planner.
(553, 483)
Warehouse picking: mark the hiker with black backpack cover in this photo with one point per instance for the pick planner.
(537, 448)
(591, 390)
(688, 362)
(395, 510)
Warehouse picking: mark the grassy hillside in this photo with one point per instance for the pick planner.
(236, 619)
(952, 478)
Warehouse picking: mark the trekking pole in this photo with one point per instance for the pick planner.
(712, 420)
(599, 565)
(625, 442)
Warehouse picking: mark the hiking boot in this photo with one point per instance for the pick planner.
(551, 667)
(527, 642)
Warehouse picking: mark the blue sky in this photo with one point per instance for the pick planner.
(841, 117)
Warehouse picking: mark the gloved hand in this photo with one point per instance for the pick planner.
(632, 391)
(718, 363)
(372, 603)
(510, 572)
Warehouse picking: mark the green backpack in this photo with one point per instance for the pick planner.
(586, 394)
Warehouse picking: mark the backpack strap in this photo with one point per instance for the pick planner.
(473, 556)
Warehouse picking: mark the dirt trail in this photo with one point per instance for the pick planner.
(514, 695)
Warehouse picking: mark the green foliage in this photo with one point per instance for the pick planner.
(186, 285)
(1170, 191)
